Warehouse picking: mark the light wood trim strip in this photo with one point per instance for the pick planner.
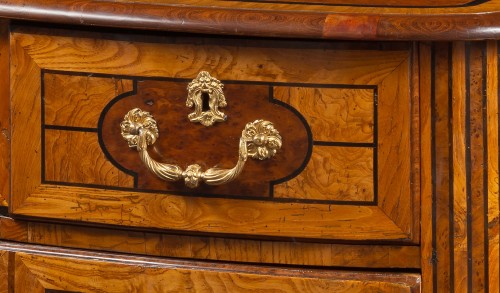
(493, 96)
(426, 188)
(459, 197)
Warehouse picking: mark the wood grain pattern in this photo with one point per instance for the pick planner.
(370, 4)
(478, 163)
(459, 199)
(333, 173)
(416, 138)
(10, 230)
(334, 115)
(460, 177)
(492, 255)
(76, 157)
(427, 183)
(23, 278)
(394, 150)
(474, 6)
(4, 271)
(459, 245)
(393, 221)
(211, 248)
(392, 3)
(183, 143)
(259, 18)
(243, 217)
(461, 255)
(75, 100)
(4, 115)
(227, 59)
(443, 27)
(442, 153)
(30, 111)
(92, 272)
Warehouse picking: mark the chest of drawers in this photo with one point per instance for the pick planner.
(167, 161)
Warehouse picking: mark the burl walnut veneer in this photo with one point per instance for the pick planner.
(377, 170)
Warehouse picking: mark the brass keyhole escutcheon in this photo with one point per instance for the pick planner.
(206, 96)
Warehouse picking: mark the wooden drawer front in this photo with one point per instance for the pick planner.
(345, 171)
(34, 269)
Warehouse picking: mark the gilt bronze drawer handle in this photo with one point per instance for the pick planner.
(259, 140)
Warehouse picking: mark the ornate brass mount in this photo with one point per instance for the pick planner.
(204, 84)
(259, 140)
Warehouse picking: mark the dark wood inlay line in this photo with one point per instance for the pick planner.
(271, 97)
(309, 142)
(70, 128)
(60, 291)
(344, 144)
(375, 145)
(42, 123)
(188, 80)
(4, 211)
(225, 196)
(434, 171)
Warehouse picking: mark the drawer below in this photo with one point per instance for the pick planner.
(38, 269)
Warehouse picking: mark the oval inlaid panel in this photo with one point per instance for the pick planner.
(183, 143)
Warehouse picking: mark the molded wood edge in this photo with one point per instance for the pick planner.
(251, 22)
(207, 248)
(25, 252)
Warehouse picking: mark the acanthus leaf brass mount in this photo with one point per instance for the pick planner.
(259, 140)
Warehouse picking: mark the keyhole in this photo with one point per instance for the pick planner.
(205, 98)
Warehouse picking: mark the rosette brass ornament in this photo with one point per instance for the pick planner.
(259, 140)
(202, 86)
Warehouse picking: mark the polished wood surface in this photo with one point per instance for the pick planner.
(4, 116)
(4, 271)
(333, 114)
(431, 135)
(82, 163)
(460, 177)
(112, 276)
(183, 143)
(243, 217)
(333, 173)
(390, 216)
(492, 253)
(391, 3)
(233, 59)
(37, 269)
(414, 21)
(338, 115)
(427, 156)
(212, 248)
(478, 162)
(394, 143)
(461, 250)
(82, 95)
(32, 83)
